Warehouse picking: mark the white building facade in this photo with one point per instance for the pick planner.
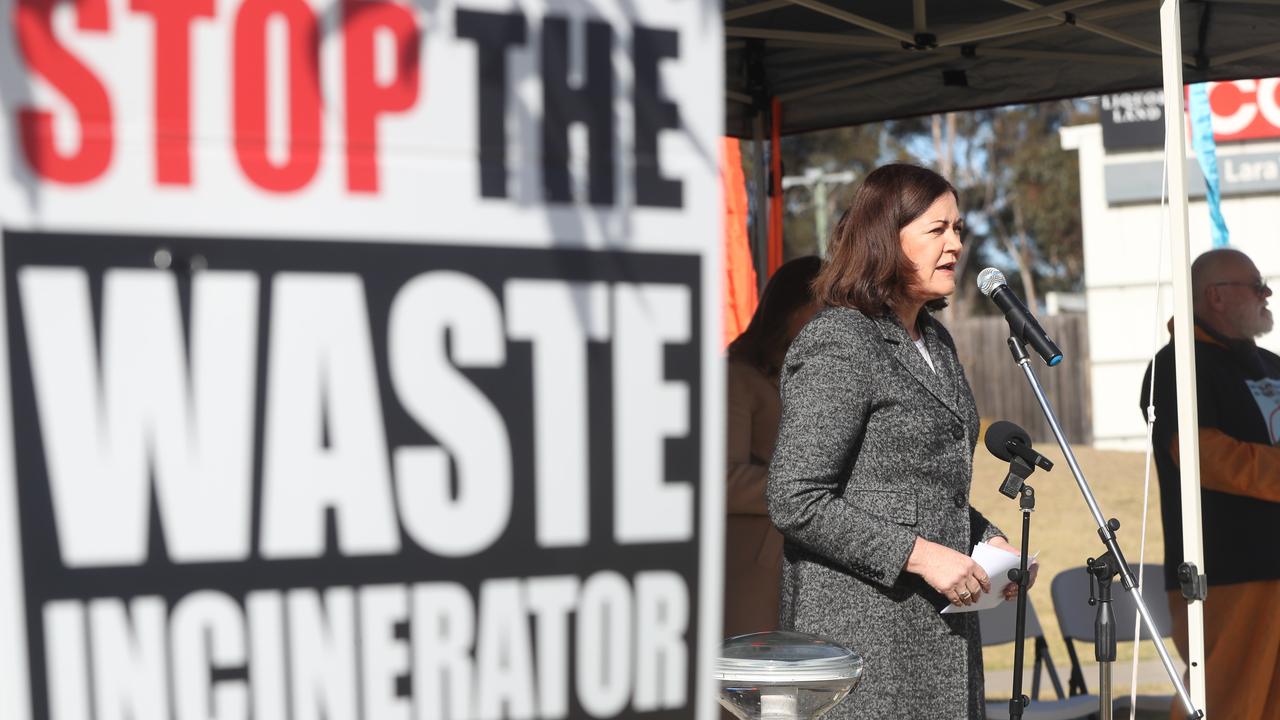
(1126, 246)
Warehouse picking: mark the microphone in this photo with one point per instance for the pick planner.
(1010, 442)
(1005, 440)
(1021, 322)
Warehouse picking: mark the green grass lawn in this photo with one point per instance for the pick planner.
(1065, 534)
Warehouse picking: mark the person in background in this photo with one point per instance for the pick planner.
(869, 483)
(753, 547)
(1238, 393)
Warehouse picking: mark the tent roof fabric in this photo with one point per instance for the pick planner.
(845, 62)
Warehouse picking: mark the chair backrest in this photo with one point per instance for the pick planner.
(1070, 591)
(999, 624)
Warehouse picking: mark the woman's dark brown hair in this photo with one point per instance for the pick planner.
(764, 342)
(866, 268)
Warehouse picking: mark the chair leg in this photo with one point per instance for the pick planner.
(1075, 683)
(1053, 671)
(1036, 668)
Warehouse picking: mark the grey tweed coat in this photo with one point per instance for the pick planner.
(874, 449)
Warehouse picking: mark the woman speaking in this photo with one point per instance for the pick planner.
(869, 481)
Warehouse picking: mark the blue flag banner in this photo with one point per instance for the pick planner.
(1206, 153)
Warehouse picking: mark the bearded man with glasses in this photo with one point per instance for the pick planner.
(1238, 393)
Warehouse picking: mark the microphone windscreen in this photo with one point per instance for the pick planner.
(999, 435)
(990, 279)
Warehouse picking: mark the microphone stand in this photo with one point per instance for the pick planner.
(1111, 564)
(1019, 469)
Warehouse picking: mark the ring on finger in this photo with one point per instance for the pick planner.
(964, 594)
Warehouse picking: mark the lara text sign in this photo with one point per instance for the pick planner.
(1240, 174)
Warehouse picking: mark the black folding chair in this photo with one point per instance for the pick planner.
(999, 626)
(1070, 591)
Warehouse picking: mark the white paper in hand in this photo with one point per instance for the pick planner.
(997, 563)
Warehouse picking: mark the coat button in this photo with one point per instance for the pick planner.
(959, 499)
(957, 433)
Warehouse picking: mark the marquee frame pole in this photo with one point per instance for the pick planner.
(1183, 331)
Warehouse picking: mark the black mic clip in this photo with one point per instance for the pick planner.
(1024, 461)
(1010, 442)
(1019, 471)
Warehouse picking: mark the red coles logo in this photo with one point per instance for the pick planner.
(1245, 109)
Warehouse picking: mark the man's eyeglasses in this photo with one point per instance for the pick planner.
(1259, 287)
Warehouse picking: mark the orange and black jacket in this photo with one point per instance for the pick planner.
(1239, 458)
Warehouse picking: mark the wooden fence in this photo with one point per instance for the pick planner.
(1000, 386)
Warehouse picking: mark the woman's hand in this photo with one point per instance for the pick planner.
(1010, 591)
(955, 575)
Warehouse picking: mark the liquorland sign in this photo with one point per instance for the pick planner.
(1239, 109)
(361, 359)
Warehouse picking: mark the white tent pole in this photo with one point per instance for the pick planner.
(1183, 330)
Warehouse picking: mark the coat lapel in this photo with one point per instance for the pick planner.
(940, 381)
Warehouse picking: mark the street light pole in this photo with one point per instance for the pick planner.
(818, 183)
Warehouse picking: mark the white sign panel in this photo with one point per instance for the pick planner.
(361, 359)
